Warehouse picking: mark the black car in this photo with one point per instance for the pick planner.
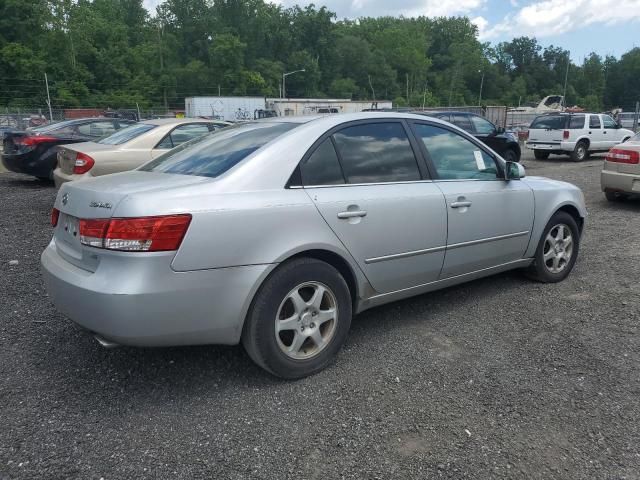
(35, 152)
(504, 143)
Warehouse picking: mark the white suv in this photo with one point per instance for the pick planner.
(576, 134)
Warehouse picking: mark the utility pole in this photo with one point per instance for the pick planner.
(566, 76)
(481, 85)
(284, 76)
(46, 81)
(407, 88)
(373, 92)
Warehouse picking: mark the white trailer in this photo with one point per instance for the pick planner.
(285, 107)
(224, 108)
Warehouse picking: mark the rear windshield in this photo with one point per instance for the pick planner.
(558, 122)
(126, 134)
(214, 154)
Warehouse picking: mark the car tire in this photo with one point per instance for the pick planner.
(540, 155)
(511, 155)
(615, 196)
(293, 296)
(551, 262)
(580, 152)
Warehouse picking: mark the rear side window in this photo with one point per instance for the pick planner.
(462, 121)
(376, 152)
(127, 134)
(576, 122)
(212, 155)
(594, 122)
(549, 122)
(322, 167)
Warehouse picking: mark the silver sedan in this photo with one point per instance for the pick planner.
(275, 233)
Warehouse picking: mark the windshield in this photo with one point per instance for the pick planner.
(126, 134)
(214, 154)
(549, 122)
(635, 138)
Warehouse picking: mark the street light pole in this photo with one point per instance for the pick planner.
(481, 85)
(284, 76)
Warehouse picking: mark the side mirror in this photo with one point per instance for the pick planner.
(513, 171)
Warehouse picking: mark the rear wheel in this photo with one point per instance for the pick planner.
(540, 154)
(299, 319)
(557, 249)
(580, 152)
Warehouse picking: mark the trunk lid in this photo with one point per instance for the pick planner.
(67, 154)
(99, 198)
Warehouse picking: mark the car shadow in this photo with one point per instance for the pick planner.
(29, 182)
(143, 375)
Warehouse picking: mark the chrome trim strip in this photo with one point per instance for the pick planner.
(522, 261)
(486, 240)
(362, 184)
(404, 255)
(413, 253)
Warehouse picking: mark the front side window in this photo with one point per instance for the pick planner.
(609, 122)
(322, 167)
(454, 157)
(594, 122)
(482, 126)
(376, 152)
(212, 155)
(127, 134)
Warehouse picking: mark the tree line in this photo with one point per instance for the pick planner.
(114, 53)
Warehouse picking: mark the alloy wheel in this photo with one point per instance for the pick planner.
(558, 248)
(306, 320)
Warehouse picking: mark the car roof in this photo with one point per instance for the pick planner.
(176, 121)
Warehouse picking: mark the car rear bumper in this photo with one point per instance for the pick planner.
(28, 163)
(619, 182)
(551, 146)
(140, 301)
(59, 177)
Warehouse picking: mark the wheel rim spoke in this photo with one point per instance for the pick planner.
(558, 248)
(306, 320)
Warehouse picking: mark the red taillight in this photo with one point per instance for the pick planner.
(565, 135)
(618, 155)
(34, 141)
(83, 164)
(55, 214)
(145, 234)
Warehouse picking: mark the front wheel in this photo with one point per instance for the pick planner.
(557, 250)
(299, 319)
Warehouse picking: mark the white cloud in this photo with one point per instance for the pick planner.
(376, 8)
(554, 17)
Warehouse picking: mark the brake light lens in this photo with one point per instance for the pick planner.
(55, 215)
(617, 155)
(565, 135)
(34, 140)
(144, 234)
(83, 163)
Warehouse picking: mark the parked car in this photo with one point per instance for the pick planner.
(620, 177)
(502, 142)
(129, 148)
(274, 232)
(35, 152)
(626, 119)
(574, 134)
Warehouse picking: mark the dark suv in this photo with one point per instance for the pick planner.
(502, 142)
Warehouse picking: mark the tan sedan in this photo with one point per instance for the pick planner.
(620, 177)
(128, 148)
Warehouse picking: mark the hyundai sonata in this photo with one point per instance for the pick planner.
(274, 233)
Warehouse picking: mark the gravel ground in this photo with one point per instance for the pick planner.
(501, 377)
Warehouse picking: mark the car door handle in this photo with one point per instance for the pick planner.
(460, 204)
(352, 214)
